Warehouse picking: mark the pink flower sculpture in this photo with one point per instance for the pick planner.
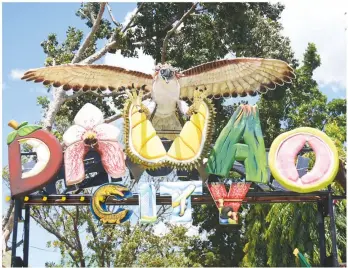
(89, 132)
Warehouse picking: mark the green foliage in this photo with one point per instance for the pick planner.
(123, 245)
(62, 53)
(255, 246)
(222, 245)
(290, 226)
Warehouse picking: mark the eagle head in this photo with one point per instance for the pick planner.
(166, 72)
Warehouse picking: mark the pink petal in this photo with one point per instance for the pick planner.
(107, 132)
(286, 158)
(73, 134)
(89, 116)
(112, 157)
(323, 161)
(73, 161)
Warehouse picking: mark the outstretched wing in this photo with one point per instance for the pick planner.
(88, 77)
(235, 77)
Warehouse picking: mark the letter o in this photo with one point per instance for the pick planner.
(282, 158)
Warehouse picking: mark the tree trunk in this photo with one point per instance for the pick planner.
(54, 106)
(6, 233)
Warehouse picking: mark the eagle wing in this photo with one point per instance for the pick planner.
(235, 77)
(88, 77)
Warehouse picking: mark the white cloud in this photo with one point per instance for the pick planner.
(17, 74)
(322, 23)
(128, 16)
(144, 63)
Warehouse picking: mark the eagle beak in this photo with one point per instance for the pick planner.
(166, 74)
(165, 79)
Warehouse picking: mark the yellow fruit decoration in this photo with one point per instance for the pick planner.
(144, 146)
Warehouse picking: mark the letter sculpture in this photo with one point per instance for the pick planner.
(147, 203)
(45, 145)
(181, 198)
(244, 124)
(228, 204)
(98, 206)
(282, 159)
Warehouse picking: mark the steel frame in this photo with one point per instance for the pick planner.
(322, 198)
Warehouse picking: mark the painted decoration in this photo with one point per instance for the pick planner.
(98, 206)
(147, 203)
(144, 145)
(46, 167)
(89, 132)
(228, 204)
(244, 124)
(181, 198)
(282, 160)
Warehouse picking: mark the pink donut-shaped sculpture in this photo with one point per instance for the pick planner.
(283, 154)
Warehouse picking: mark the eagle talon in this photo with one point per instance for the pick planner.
(198, 97)
(136, 97)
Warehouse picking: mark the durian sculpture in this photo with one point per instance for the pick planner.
(157, 103)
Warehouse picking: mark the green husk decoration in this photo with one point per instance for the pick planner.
(27, 129)
(244, 124)
(23, 124)
(11, 137)
(21, 130)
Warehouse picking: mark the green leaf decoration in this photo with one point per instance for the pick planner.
(23, 124)
(243, 125)
(11, 137)
(28, 129)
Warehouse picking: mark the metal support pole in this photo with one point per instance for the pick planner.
(26, 236)
(17, 208)
(332, 229)
(321, 229)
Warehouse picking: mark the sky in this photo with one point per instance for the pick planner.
(26, 25)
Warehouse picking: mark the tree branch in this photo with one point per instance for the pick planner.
(170, 32)
(77, 234)
(100, 53)
(49, 228)
(113, 118)
(111, 44)
(59, 96)
(88, 40)
(132, 18)
(8, 214)
(7, 230)
(112, 16)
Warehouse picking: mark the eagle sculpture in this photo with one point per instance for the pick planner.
(160, 117)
